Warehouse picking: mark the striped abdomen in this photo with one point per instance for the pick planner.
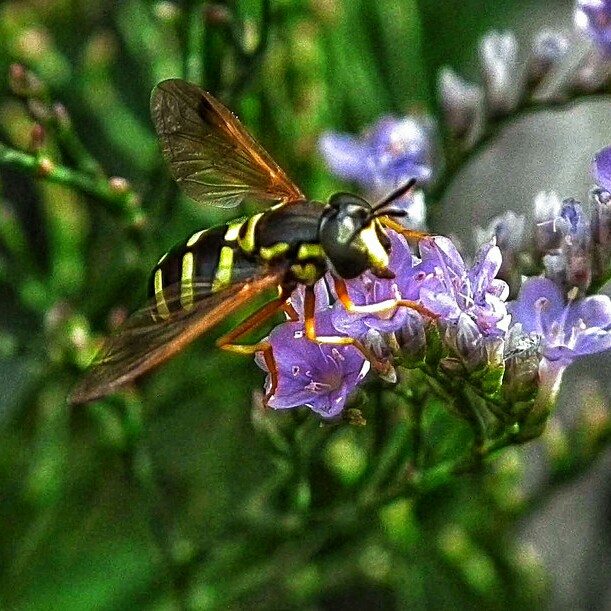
(283, 236)
(211, 256)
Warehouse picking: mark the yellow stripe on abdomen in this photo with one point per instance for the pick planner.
(247, 240)
(162, 306)
(186, 281)
(224, 270)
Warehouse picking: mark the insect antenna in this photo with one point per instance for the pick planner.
(379, 208)
(396, 212)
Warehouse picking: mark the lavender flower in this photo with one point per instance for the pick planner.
(450, 289)
(509, 232)
(368, 289)
(470, 339)
(391, 152)
(462, 103)
(548, 49)
(570, 265)
(568, 327)
(320, 376)
(601, 169)
(594, 17)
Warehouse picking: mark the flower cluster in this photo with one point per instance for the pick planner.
(457, 321)
(505, 325)
(466, 303)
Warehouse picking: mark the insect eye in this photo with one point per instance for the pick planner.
(335, 202)
(361, 215)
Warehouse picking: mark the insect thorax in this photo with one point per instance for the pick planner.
(289, 234)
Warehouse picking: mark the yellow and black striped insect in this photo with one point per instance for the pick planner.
(217, 271)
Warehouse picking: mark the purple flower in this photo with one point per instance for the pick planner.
(602, 168)
(390, 153)
(474, 349)
(368, 289)
(548, 48)
(569, 328)
(570, 265)
(449, 289)
(320, 376)
(509, 231)
(594, 17)
(462, 102)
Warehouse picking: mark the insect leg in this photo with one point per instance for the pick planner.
(408, 233)
(382, 307)
(289, 309)
(337, 340)
(226, 342)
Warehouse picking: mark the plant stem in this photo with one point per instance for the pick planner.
(120, 199)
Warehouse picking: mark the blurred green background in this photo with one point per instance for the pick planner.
(182, 495)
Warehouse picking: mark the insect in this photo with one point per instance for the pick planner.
(294, 241)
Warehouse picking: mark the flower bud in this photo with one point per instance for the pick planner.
(502, 74)
(522, 357)
(412, 337)
(25, 83)
(570, 265)
(547, 51)
(547, 207)
(462, 103)
(479, 356)
(600, 227)
(509, 231)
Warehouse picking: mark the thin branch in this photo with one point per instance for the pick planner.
(115, 192)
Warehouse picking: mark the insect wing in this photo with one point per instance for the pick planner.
(142, 343)
(212, 156)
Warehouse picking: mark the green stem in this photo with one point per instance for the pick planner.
(120, 200)
(72, 144)
(193, 37)
(249, 61)
(142, 470)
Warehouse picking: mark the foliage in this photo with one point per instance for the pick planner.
(184, 492)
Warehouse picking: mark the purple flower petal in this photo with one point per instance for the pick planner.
(568, 328)
(399, 149)
(594, 311)
(368, 289)
(345, 156)
(321, 297)
(449, 289)
(525, 310)
(485, 268)
(594, 17)
(591, 341)
(602, 168)
(390, 153)
(320, 376)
